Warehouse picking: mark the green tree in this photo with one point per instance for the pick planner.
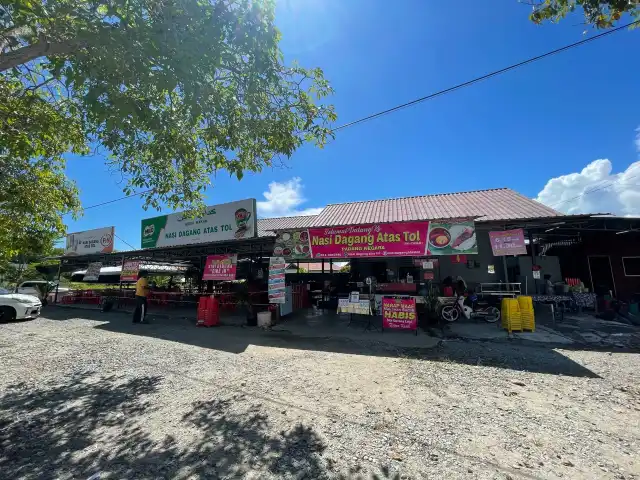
(599, 13)
(174, 90)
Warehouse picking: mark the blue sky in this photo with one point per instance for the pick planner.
(520, 130)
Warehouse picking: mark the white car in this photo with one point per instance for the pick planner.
(17, 306)
(30, 287)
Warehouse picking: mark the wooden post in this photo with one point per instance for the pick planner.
(55, 298)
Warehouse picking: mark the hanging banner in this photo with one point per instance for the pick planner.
(93, 272)
(130, 271)
(406, 239)
(508, 242)
(399, 313)
(452, 238)
(292, 244)
(89, 242)
(277, 288)
(229, 221)
(220, 267)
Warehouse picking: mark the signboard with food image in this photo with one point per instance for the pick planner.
(292, 244)
(453, 237)
(229, 221)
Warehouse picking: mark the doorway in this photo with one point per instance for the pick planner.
(601, 274)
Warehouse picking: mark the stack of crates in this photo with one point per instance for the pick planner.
(526, 313)
(510, 314)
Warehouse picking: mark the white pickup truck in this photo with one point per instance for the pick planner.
(30, 287)
(18, 306)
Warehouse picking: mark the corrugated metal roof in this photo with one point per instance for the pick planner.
(266, 226)
(486, 205)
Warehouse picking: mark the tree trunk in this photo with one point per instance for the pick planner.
(42, 48)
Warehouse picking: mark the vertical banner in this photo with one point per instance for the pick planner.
(93, 272)
(277, 287)
(508, 242)
(399, 313)
(220, 267)
(130, 271)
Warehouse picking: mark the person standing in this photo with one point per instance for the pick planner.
(142, 290)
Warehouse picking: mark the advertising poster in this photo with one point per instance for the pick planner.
(229, 221)
(93, 272)
(130, 271)
(405, 239)
(89, 242)
(292, 244)
(508, 242)
(399, 313)
(277, 288)
(452, 238)
(220, 267)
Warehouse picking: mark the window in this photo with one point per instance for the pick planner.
(631, 266)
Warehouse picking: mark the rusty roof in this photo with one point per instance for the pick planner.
(266, 226)
(485, 205)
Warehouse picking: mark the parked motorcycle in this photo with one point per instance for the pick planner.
(477, 309)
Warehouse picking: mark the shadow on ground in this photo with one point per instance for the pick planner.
(508, 355)
(91, 425)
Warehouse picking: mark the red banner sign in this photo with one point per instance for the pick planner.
(220, 267)
(407, 239)
(130, 271)
(399, 313)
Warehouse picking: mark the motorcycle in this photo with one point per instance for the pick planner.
(478, 309)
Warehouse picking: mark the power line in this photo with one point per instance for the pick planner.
(118, 199)
(485, 77)
(124, 241)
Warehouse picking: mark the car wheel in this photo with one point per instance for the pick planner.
(7, 314)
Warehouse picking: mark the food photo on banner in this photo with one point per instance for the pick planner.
(399, 313)
(508, 242)
(453, 237)
(93, 272)
(292, 244)
(276, 286)
(130, 271)
(220, 267)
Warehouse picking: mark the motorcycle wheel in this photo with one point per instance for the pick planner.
(449, 313)
(492, 314)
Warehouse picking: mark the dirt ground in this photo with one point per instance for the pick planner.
(85, 394)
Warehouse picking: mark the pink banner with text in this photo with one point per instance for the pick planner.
(399, 313)
(508, 242)
(220, 267)
(406, 239)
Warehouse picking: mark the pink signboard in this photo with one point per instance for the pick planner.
(406, 239)
(130, 271)
(508, 242)
(399, 313)
(220, 267)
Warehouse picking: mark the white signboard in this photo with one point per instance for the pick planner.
(229, 221)
(99, 240)
(93, 272)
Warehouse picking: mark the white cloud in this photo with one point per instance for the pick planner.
(596, 189)
(284, 200)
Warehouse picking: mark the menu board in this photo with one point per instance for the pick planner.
(277, 288)
(130, 271)
(292, 244)
(93, 272)
(361, 307)
(508, 242)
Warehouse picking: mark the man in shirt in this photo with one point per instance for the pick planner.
(142, 290)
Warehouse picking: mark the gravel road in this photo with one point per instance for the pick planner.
(87, 394)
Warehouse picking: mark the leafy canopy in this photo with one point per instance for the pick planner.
(599, 13)
(175, 90)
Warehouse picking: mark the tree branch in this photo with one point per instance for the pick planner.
(40, 49)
